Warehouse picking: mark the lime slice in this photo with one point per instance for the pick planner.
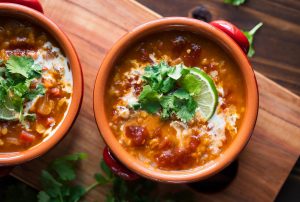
(207, 99)
(7, 111)
(8, 114)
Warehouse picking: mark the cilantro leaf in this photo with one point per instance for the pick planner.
(101, 179)
(167, 85)
(250, 37)
(187, 111)
(20, 89)
(75, 193)
(161, 93)
(181, 94)
(175, 72)
(51, 186)
(64, 166)
(167, 103)
(106, 169)
(43, 197)
(15, 80)
(149, 99)
(235, 2)
(19, 65)
(142, 190)
(40, 90)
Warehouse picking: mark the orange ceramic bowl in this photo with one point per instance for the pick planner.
(227, 44)
(25, 13)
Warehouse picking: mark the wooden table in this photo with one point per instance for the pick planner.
(93, 26)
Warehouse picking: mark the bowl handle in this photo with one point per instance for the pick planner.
(117, 167)
(233, 32)
(34, 4)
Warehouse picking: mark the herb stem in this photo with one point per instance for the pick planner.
(254, 29)
(92, 186)
(60, 197)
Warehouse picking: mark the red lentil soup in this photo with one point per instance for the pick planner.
(171, 143)
(35, 85)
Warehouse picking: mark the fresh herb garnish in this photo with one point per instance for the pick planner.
(169, 90)
(250, 36)
(235, 2)
(56, 180)
(57, 185)
(16, 76)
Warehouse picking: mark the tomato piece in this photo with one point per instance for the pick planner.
(56, 92)
(26, 137)
(137, 134)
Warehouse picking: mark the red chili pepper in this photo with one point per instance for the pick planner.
(26, 137)
(34, 4)
(233, 32)
(116, 167)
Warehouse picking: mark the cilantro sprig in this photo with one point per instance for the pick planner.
(169, 90)
(16, 76)
(58, 185)
(56, 180)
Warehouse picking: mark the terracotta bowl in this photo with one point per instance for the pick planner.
(232, 41)
(25, 13)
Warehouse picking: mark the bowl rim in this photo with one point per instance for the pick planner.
(39, 19)
(251, 96)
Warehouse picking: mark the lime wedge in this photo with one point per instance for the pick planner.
(207, 98)
(7, 111)
(8, 114)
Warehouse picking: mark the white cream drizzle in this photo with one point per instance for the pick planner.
(59, 63)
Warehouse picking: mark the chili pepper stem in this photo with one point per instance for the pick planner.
(254, 29)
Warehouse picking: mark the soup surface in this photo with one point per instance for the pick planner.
(159, 117)
(35, 85)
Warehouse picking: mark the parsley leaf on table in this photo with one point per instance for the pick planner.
(235, 2)
(250, 36)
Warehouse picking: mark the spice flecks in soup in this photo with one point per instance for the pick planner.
(167, 137)
(32, 60)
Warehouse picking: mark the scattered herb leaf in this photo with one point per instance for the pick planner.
(57, 185)
(64, 167)
(235, 2)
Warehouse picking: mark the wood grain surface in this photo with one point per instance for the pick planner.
(277, 44)
(93, 26)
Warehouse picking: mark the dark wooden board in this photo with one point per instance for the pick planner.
(277, 44)
(93, 26)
